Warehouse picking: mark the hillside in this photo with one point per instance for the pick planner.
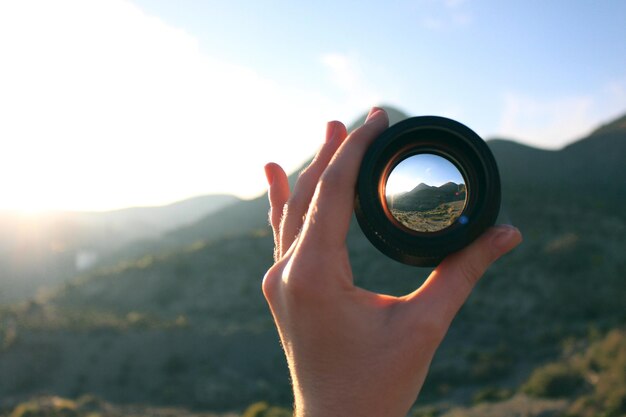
(190, 326)
(45, 249)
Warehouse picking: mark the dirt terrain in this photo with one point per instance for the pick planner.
(432, 220)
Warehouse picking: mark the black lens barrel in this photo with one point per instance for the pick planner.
(433, 135)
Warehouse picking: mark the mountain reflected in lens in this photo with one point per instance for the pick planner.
(426, 193)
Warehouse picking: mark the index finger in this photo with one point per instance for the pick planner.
(329, 214)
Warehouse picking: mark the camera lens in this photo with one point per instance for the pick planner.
(425, 193)
(427, 187)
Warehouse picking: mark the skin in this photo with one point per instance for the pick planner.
(352, 352)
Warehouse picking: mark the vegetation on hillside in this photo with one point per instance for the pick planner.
(188, 326)
(592, 377)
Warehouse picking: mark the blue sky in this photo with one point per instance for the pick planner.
(113, 103)
(424, 168)
(471, 58)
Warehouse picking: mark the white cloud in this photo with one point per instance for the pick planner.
(553, 122)
(104, 106)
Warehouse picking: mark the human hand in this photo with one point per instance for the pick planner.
(352, 352)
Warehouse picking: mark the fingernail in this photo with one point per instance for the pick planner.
(371, 115)
(506, 238)
(331, 128)
(269, 175)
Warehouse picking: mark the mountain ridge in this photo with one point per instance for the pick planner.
(521, 166)
(425, 197)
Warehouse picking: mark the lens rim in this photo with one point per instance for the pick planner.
(443, 137)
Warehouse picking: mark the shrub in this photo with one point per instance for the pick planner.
(598, 366)
(605, 364)
(46, 407)
(492, 394)
(554, 380)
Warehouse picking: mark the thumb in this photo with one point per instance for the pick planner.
(452, 281)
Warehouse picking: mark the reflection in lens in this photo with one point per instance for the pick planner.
(426, 193)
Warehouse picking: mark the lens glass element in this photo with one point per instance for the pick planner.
(425, 193)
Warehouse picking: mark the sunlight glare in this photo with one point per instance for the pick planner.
(98, 119)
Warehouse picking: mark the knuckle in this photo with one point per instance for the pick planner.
(293, 281)
(270, 283)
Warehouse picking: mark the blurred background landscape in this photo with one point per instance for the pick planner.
(133, 225)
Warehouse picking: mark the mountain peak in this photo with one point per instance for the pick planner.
(422, 186)
(449, 185)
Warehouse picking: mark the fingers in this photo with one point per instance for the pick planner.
(450, 284)
(278, 194)
(298, 203)
(329, 217)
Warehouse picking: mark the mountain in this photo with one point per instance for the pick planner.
(452, 187)
(46, 249)
(592, 165)
(188, 324)
(421, 186)
(426, 197)
(588, 168)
